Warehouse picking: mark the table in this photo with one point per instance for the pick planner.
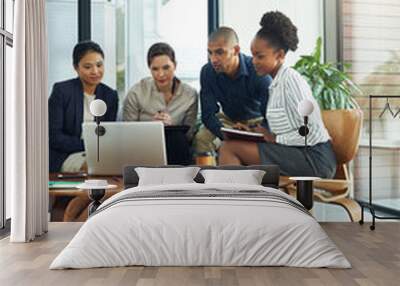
(75, 201)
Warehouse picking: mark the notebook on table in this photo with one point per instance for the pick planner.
(64, 184)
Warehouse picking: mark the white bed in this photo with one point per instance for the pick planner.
(245, 225)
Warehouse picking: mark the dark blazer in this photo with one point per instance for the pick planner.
(66, 117)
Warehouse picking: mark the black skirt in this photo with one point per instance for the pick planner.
(318, 160)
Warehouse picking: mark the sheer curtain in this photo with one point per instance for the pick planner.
(27, 131)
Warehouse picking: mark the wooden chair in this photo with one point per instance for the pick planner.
(344, 127)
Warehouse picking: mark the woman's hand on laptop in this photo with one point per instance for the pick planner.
(164, 117)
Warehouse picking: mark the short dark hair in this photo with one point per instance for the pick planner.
(279, 31)
(227, 33)
(84, 47)
(160, 49)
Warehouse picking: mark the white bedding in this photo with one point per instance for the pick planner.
(183, 231)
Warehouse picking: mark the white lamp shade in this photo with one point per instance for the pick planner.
(98, 107)
(305, 107)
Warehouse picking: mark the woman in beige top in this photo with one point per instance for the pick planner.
(163, 96)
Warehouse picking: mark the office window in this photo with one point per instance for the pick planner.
(181, 23)
(8, 88)
(9, 12)
(371, 44)
(6, 64)
(125, 30)
(105, 16)
(62, 32)
(245, 19)
(2, 137)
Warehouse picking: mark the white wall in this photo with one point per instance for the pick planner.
(244, 18)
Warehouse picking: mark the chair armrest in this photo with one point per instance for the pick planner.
(332, 185)
(285, 182)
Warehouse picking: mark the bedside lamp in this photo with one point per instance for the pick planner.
(305, 108)
(98, 108)
(304, 185)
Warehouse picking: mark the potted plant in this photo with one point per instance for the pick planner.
(331, 87)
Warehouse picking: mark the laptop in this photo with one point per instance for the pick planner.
(124, 143)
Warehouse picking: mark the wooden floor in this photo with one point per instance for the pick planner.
(374, 255)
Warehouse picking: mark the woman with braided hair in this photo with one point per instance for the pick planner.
(283, 145)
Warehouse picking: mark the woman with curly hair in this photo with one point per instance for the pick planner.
(283, 145)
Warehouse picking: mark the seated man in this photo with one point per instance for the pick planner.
(229, 81)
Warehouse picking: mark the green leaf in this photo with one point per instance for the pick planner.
(331, 86)
(317, 51)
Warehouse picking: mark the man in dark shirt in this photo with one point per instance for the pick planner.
(228, 82)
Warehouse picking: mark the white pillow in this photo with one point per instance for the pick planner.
(163, 176)
(248, 177)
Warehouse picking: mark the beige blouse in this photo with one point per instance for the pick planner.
(144, 100)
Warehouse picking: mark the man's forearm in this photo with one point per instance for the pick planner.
(214, 126)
